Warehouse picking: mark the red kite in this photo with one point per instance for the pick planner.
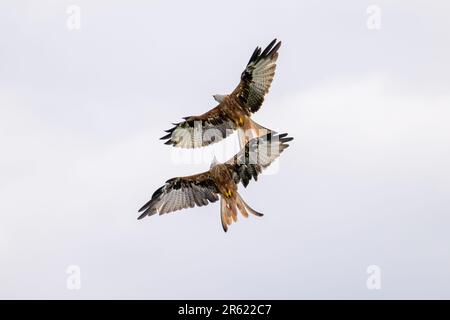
(219, 182)
(234, 110)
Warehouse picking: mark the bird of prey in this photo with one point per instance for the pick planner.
(221, 181)
(234, 110)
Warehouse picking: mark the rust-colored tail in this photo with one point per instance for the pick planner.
(229, 209)
(250, 131)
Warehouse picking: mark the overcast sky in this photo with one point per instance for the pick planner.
(365, 182)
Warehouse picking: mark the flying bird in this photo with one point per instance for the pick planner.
(221, 181)
(234, 110)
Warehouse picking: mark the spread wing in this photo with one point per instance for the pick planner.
(180, 193)
(257, 76)
(257, 154)
(200, 131)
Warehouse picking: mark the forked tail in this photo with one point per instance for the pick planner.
(250, 131)
(229, 208)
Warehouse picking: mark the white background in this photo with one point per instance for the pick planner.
(365, 182)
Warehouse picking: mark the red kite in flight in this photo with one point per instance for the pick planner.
(219, 182)
(234, 110)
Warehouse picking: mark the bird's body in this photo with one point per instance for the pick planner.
(234, 110)
(221, 181)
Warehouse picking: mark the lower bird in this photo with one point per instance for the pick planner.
(221, 181)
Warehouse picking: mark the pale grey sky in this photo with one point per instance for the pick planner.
(365, 182)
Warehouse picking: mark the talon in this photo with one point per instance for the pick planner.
(228, 193)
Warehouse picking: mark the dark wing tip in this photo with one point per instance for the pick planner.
(254, 56)
(145, 206)
(147, 209)
(169, 133)
(283, 137)
(167, 136)
(268, 49)
(142, 216)
(172, 129)
(274, 49)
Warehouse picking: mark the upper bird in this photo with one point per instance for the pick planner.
(234, 110)
(219, 182)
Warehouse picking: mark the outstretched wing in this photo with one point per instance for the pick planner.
(257, 77)
(200, 131)
(257, 154)
(180, 193)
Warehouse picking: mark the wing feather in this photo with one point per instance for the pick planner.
(199, 131)
(180, 193)
(257, 155)
(257, 77)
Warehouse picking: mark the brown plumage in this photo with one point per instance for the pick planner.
(234, 110)
(219, 182)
